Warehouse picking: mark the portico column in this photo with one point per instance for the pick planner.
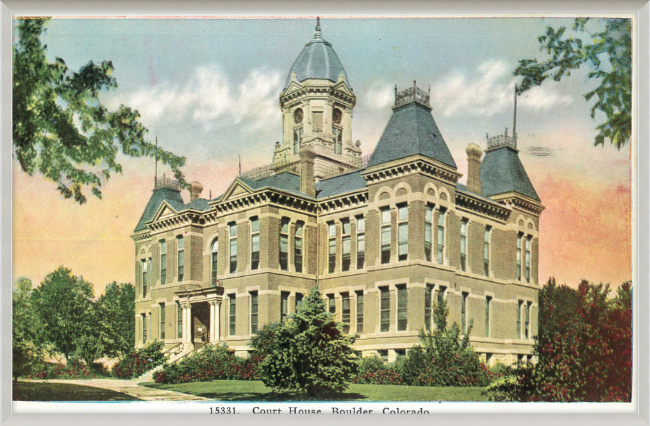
(189, 323)
(212, 310)
(217, 316)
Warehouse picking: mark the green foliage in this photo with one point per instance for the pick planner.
(310, 353)
(609, 56)
(74, 369)
(586, 358)
(138, 362)
(444, 359)
(64, 310)
(27, 351)
(60, 127)
(116, 319)
(211, 363)
(89, 348)
(261, 341)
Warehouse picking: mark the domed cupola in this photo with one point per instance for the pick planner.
(317, 104)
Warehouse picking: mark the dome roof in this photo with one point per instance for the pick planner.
(317, 60)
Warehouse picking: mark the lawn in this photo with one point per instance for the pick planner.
(242, 390)
(38, 391)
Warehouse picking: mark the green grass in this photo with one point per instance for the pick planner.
(38, 391)
(241, 390)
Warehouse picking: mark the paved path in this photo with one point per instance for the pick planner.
(132, 388)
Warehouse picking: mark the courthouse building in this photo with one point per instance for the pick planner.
(383, 237)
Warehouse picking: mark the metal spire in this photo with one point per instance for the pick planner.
(317, 35)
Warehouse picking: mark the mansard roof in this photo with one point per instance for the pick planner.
(285, 181)
(411, 130)
(171, 196)
(341, 184)
(503, 172)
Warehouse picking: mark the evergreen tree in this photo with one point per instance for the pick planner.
(310, 353)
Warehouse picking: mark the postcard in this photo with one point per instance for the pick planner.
(324, 214)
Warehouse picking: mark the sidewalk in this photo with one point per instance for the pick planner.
(132, 388)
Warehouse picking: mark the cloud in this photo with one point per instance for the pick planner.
(488, 91)
(209, 99)
(382, 97)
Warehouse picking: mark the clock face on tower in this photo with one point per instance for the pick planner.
(297, 116)
(337, 115)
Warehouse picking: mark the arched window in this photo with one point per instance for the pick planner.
(214, 249)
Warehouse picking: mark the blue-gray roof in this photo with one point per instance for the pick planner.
(502, 172)
(172, 197)
(317, 60)
(462, 188)
(288, 182)
(341, 184)
(411, 130)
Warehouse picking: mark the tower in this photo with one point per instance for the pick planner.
(317, 104)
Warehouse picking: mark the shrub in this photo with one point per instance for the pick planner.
(74, 369)
(385, 376)
(211, 363)
(583, 356)
(309, 352)
(140, 361)
(370, 364)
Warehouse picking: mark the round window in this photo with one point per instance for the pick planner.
(297, 116)
(337, 116)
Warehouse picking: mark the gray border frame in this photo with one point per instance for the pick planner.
(639, 189)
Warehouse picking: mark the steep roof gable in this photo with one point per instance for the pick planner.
(411, 130)
(173, 199)
(502, 172)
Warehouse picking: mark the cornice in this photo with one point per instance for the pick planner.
(382, 172)
(318, 90)
(520, 202)
(476, 204)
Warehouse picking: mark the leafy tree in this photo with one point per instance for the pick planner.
(26, 350)
(89, 348)
(444, 358)
(588, 358)
(310, 353)
(60, 127)
(64, 310)
(116, 319)
(609, 56)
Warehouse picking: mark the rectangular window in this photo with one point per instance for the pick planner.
(463, 244)
(385, 309)
(145, 276)
(253, 312)
(332, 247)
(519, 306)
(284, 244)
(232, 235)
(297, 253)
(284, 306)
(402, 307)
(144, 328)
(519, 239)
(346, 245)
(428, 231)
(361, 242)
(385, 235)
(299, 297)
(162, 321)
(441, 236)
(338, 144)
(359, 312)
(232, 314)
(428, 293)
(441, 294)
(179, 321)
(255, 243)
(527, 260)
(150, 274)
(527, 323)
(486, 251)
(463, 311)
(345, 312)
(163, 262)
(180, 241)
(297, 139)
(383, 354)
(317, 121)
(331, 302)
(214, 248)
(402, 232)
(488, 301)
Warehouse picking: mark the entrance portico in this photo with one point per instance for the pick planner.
(200, 314)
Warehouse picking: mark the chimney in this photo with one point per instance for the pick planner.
(195, 190)
(307, 180)
(474, 154)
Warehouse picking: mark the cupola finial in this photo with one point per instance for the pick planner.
(317, 35)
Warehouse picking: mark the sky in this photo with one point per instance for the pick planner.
(209, 90)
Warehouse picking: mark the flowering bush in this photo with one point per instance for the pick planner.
(387, 376)
(140, 361)
(212, 363)
(586, 355)
(74, 369)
